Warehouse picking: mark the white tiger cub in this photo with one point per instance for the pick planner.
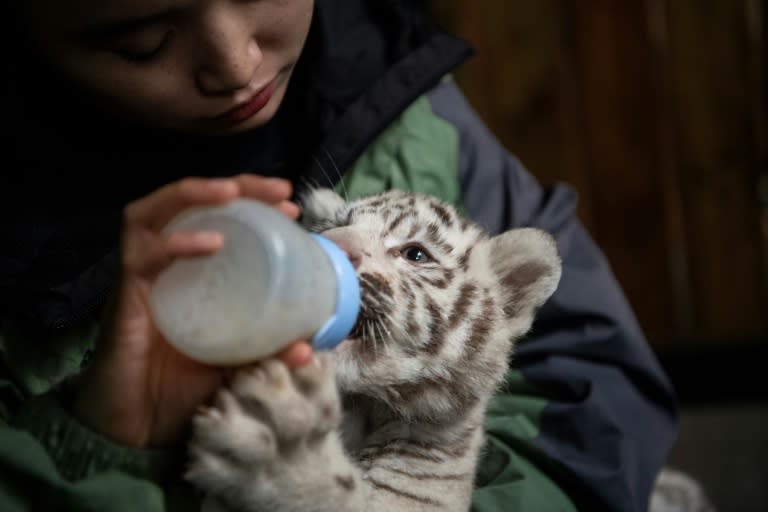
(392, 418)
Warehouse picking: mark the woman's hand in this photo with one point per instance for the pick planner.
(139, 390)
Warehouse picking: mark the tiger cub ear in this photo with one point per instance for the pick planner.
(528, 268)
(320, 209)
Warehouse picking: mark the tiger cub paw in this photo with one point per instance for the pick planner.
(262, 427)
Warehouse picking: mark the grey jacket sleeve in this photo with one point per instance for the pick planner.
(610, 417)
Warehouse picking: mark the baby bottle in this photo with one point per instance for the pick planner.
(271, 283)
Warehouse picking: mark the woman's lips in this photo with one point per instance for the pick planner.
(245, 110)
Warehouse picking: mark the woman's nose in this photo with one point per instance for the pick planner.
(229, 56)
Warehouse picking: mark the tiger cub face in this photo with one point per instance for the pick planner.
(441, 301)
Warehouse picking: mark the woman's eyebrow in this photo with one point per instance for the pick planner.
(117, 27)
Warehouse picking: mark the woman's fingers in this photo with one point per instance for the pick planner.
(274, 191)
(147, 250)
(193, 243)
(288, 208)
(268, 190)
(158, 208)
(296, 354)
(157, 252)
(155, 210)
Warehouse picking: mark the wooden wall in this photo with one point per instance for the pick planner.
(655, 110)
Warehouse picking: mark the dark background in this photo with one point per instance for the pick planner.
(655, 110)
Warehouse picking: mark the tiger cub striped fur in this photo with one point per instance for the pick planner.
(392, 418)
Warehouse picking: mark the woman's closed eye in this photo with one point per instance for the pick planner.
(138, 39)
(141, 47)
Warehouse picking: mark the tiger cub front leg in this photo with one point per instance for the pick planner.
(270, 442)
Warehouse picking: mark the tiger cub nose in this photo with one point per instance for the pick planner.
(347, 243)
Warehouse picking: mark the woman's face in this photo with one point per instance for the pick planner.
(204, 66)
